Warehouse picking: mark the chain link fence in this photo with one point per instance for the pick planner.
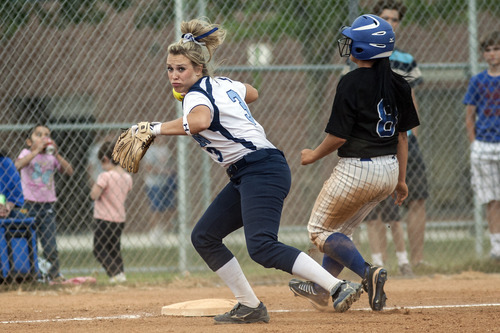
(87, 69)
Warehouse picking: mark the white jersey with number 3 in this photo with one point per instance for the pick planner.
(233, 132)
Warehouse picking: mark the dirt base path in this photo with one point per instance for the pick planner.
(469, 302)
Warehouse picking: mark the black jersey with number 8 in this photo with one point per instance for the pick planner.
(359, 116)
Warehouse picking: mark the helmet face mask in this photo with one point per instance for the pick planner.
(371, 38)
(345, 44)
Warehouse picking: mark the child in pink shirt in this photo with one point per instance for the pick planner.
(110, 192)
(37, 167)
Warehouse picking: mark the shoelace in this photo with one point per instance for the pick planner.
(233, 311)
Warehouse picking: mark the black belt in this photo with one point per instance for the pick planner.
(251, 158)
(368, 159)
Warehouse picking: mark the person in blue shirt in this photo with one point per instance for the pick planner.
(482, 122)
(10, 187)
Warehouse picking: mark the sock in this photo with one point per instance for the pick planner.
(342, 249)
(402, 258)
(234, 278)
(377, 259)
(332, 266)
(307, 268)
(495, 244)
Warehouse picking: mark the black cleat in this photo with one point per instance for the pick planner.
(242, 314)
(373, 283)
(344, 294)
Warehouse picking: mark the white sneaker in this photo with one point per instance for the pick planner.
(118, 278)
(405, 270)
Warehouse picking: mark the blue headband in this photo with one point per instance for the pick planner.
(190, 38)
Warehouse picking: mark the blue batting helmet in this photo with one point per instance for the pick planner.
(369, 37)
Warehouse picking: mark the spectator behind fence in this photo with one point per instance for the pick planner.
(94, 167)
(11, 191)
(482, 121)
(402, 63)
(160, 180)
(110, 192)
(37, 165)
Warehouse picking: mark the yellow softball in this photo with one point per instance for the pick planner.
(177, 95)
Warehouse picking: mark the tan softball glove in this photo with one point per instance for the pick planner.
(132, 145)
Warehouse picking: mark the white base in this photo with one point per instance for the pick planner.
(199, 308)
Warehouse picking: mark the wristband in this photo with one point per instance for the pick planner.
(155, 128)
(185, 124)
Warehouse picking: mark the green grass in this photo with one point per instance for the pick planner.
(154, 265)
(447, 257)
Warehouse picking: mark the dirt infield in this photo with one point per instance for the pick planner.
(468, 302)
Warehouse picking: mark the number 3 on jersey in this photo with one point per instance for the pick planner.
(204, 142)
(236, 98)
(386, 126)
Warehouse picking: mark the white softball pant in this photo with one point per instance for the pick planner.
(354, 188)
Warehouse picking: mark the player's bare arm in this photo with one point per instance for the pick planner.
(470, 121)
(199, 119)
(252, 94)
(330, 144)
(401, 191)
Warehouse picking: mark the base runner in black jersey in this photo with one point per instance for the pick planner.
(371, 113)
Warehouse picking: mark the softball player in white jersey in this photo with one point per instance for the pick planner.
(371, 113)
(233, 133)
(217, 116)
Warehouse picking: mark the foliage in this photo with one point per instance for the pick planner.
(155, 15)
(450, 11)
(16, 14)
(300, 20)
